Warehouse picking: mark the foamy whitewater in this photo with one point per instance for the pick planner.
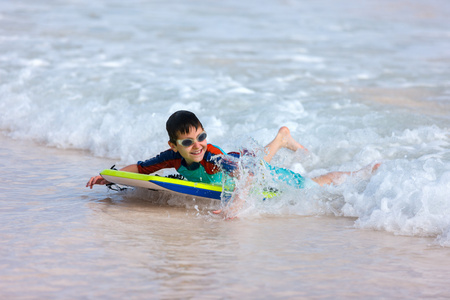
(357, 82)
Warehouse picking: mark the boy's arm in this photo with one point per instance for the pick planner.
(101, 181)
(166, 159)
(131, 168)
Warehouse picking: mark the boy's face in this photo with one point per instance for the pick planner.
(196, 151)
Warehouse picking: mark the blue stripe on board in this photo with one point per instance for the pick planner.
(189, 190)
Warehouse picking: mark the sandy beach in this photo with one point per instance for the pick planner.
(61, 240)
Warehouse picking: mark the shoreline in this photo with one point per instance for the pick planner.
(58, 237)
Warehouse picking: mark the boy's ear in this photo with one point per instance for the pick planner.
(173, 146)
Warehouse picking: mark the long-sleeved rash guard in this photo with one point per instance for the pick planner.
(214, 163)
(207, 171)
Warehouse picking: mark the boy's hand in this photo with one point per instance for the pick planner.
(225, 214)
(96, 180)
(231, 210)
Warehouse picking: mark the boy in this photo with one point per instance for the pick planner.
(199, 161)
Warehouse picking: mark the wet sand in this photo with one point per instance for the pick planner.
(62, 240)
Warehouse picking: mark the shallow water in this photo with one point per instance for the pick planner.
(85, 85)
(59, 241)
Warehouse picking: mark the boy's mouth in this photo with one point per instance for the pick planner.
(197, 152)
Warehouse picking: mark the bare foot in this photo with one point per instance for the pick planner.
(283, 139)
(367, 171)
(287, 141)
(375, 167)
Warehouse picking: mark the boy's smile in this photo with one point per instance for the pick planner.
(196, 151)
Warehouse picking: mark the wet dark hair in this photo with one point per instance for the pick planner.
(181, 122)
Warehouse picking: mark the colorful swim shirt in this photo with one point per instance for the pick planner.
(210, 169)
(207, 171)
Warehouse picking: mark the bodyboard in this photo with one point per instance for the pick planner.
(160, 183)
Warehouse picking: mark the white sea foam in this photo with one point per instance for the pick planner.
(89, 76)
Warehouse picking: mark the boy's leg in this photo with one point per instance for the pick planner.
(338, 178)
(335, 178)
(283, 139)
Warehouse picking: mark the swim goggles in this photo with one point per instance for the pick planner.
(189, 142)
